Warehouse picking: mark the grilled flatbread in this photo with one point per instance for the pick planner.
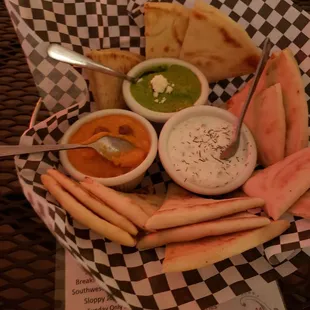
(230, 224)
(107, 90)
(93, 204)
(181, 210)
(165, 27)
(217, 45)
(149, 203)
(122, 204)
(84, 216)
(265, 118)
(207, 251)
(281, 184)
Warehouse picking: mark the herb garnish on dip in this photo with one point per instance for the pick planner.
(190, 146)
(167, 88)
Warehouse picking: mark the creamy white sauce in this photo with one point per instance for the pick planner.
(195, 146)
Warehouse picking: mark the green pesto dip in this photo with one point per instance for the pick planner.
(185, 85)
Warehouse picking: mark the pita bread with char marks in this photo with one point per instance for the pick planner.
(203, 252)
(230, 224)
(281, 184)
(217, 45)
(186, 208)
(265, 118)
(165, 28)
(107, 89)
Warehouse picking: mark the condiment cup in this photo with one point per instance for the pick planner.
(178, 177)
(125, 182)
(154, 116)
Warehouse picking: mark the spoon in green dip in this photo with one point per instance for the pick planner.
(65, 55)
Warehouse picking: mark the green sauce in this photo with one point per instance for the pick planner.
(186, 89)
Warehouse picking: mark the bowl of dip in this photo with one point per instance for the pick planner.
(165, 86)
(127, 171)
(190, 145)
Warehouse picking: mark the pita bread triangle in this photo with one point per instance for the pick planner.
(237, 222)
(281, 184)
(232, 52)
(265, 118)
(107, 90)
(165, 28)
(203, 252)
(282, 68)
(186, 208)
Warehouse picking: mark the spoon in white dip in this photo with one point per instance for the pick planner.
(106, 146)
(234, 144)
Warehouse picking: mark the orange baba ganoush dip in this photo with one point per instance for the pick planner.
(89, 162)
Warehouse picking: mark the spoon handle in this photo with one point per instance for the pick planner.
(63, 54)
(260, 68)
(9, 150)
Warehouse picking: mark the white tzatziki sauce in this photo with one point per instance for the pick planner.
(195, 146)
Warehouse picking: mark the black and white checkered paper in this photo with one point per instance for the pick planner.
(135, 278)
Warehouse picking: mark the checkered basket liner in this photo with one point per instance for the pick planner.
(135, 278)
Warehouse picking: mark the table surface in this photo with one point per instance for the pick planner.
(28, 261)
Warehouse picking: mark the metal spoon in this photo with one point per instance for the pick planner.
(65, 55)
(106, 146)
(234, 145)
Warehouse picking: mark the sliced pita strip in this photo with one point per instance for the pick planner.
(235, 223)
(107, 90)
(207, 251)
(84, 216)
(148, 203)
(302, 206)
(281, 184)
(195, 210)
(120, 203)
(93, 204)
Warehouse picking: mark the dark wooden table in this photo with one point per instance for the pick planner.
(27, 248)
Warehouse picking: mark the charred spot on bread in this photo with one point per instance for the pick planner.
(229, 39)
(252, 61)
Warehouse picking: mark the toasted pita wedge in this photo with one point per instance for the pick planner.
(235, 223)
(148, 203)
(265, 118)
(107, 90)
(282, 184)
(117, 201)
(165, 28)
(207, 251)
(182, 210)
(93, 204)
(84, 216)
(232, 52)
(302, 206)
(282, 68)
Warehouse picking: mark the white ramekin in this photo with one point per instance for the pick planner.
(208, 111)
(161, 117)
(125, 182)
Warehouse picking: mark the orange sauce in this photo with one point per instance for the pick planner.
(91, 163)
